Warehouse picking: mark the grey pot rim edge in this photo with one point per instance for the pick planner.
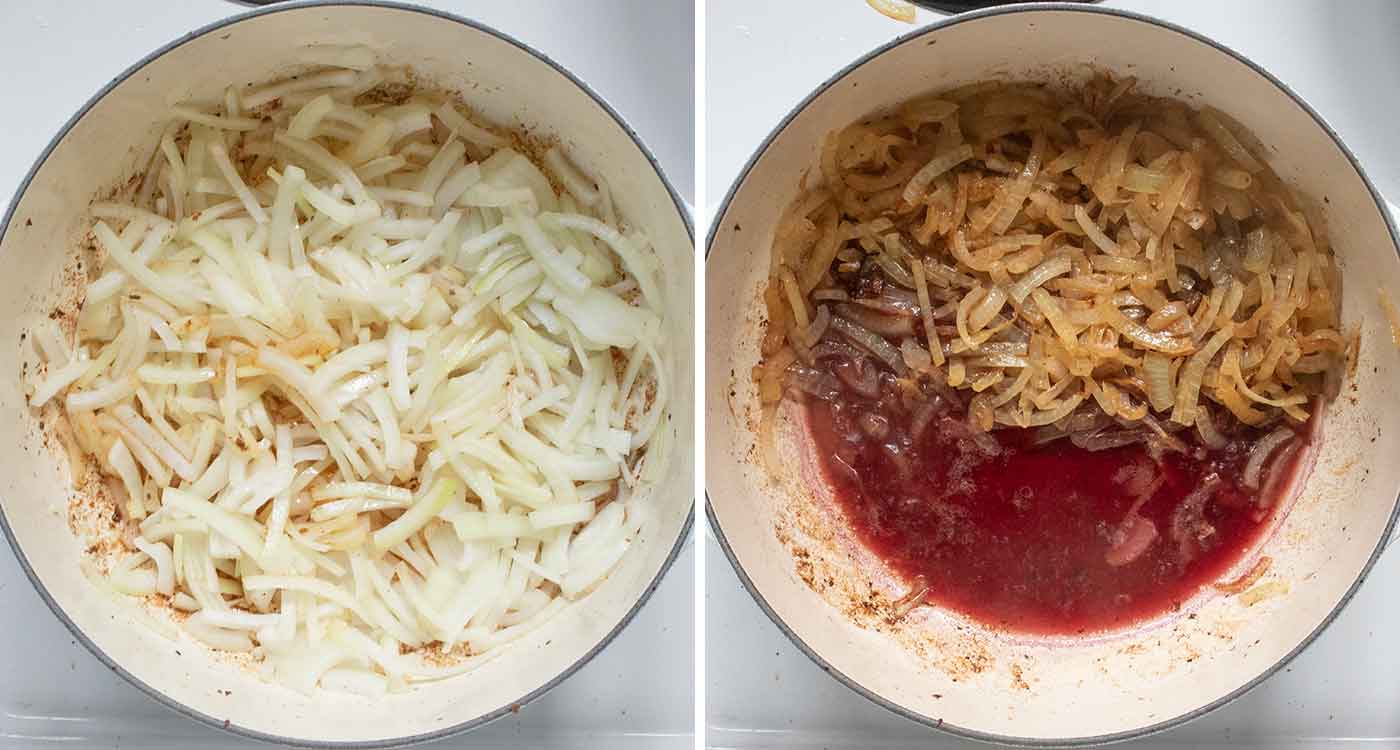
(937, 723)
(389, 742)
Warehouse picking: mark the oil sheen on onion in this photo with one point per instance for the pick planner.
(1041, 539)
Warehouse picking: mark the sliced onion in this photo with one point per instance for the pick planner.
(1227, 141)
(924, 414)
(871, 342)
(1141, 272)
(892, 268)
(859, 376)
(1190, 514)
(1205, 427)
(1095, 234)
(906, 604)
(1189, 380)
(1056, 412)
(1131, 540)
(820, 323)
(830, 295)
(1106, 440)
(335, 358)
(1146, 337)
(1157, 369)
(982, 441)
(815, 383)
(891, 301)
(914, 355)
(1086, 420)
(918, 184)
(875, 425)
(1278, 474)
(1047, 270)
(1259, 454)
(835, 346)
(889, 326)
(986, 309)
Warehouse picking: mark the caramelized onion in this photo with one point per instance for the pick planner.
(1142, 252)
(1189, 527)
(906, 604)
(817, 329)
(835, 346)
(815, 383)
(1259, 454)
(875, 425)
(1102, 441)
(984, 443)
(1205, 427)
(891, 301)
(1130, 540)
(1278, 474)
(888, 326)
(871, 342)
(859, 376)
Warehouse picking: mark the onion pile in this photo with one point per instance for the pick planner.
(363, 383)
(1061, 259)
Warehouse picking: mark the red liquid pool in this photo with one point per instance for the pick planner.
(1021, 540)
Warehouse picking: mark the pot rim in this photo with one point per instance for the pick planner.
(506, 708)
(938, 723)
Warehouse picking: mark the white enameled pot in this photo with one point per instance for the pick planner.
(831, 595)
(110, 140)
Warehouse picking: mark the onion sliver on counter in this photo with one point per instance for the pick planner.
(372, 392)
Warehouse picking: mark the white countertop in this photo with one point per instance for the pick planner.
(56, 54)
(762, 59)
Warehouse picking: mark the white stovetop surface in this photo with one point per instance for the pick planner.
(57, 53)
(762, 59)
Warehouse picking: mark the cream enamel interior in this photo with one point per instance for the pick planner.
(941, 668)
(505, 85)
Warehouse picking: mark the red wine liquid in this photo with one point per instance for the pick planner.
(1020, 540)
